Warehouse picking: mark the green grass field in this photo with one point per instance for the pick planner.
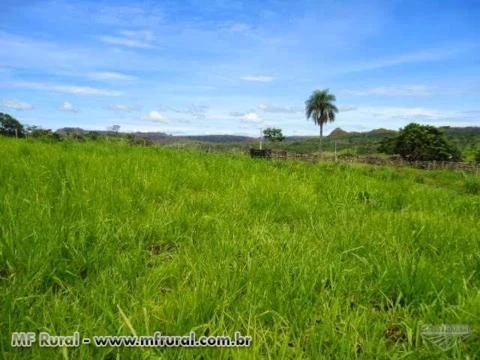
(314, 261)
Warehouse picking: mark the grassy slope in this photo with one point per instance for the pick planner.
(313, 261)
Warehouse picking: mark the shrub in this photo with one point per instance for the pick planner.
(421, 142)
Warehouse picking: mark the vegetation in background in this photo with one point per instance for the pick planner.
(477, 156)
(421, 142)
(9, 126)
(321, 109)
(273, 135)
(355, 143)
(467, 139)
(105, 238)
(114, 128)
(36, 132)
(347, 144)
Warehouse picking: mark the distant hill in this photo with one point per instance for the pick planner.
(154, 136)
(220, 139)
(382, 132)
(337, 133)
(341, 140)
(463, 136)
(71, 130)
(466, 138)
(80, 131)
(160, 136)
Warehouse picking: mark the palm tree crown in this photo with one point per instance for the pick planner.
(320, 108)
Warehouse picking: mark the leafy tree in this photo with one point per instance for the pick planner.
(114, 128)
(421, 142)
(10, 126)
(273, 134)
(387, 146)
(321, 109)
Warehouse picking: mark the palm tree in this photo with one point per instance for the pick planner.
(320, 108)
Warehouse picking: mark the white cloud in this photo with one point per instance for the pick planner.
(394, 117)
(304, 133)
(69, 89)
(115, 40)
(428, 55)
(347, 108)
(259, 78)
(410, 113)
(251, 117)
(68, 107)
(239, 27)
(135, 39)
(78, 59)
(120, 107)
(279, 109)
(197, 111)
(126, 15)
(393, 90)
(156, 116)
(93, 13)
(248, 117)
(16, 104)
(110, 76)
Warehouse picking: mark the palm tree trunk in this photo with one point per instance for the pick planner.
(321, 136)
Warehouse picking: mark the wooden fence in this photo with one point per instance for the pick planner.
(427, 165)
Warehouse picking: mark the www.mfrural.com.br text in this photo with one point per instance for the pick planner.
(44, 339)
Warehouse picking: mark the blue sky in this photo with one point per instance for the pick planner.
(234, 67)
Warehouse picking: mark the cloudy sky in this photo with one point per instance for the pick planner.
(234, 67)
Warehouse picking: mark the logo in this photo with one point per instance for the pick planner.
(445, 336)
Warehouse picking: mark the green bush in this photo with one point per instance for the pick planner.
(421, 142)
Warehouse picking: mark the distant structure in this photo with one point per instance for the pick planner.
(264, 153)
